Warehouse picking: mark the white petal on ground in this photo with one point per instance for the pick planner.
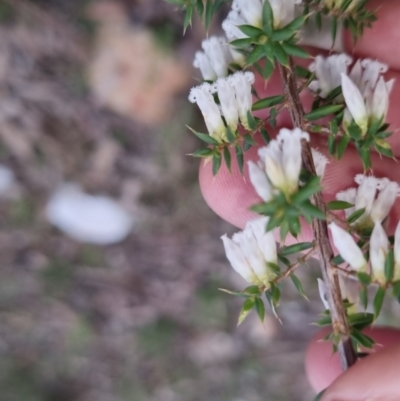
(7, 179)
(88, 218)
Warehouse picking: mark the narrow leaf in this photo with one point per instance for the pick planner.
(246, 309)
(205, 137)
(355, 216)
(216, 163)
(239, 157)
(338, 205)
(323, 112)
(227, 158)
(268, 102)
(296, 51)
(378, 301)
(260, 308)
(298, 285)
(296, 248)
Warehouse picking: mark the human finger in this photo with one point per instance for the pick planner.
(323, 367)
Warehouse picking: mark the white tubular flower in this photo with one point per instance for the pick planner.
(249, 252)
(231, 23)
(371, 73)
(347, 247)
(281, 159)
(211, 113)
(327, 71)
(355, 103)
(218, 54)
(284, 11)
(380, 101)
(376, 208)
(241, 82)
(396, 250)
(384, 202)
(320, 162)
(379, 247)
(227, 99)
(202, 62)
(260, 182)
(251, 10)
(348, 196)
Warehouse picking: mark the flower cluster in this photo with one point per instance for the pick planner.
(366, 94)
(327, 71)
(280, 164)
(235, 98)
(251, 251)
(379, 248)
(375, 195)
(249, 12)
(216, 57)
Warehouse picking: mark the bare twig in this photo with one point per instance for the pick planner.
(340, 325)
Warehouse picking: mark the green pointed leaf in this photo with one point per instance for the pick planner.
(296, 248)
(355, 215)
(268, 69)
(365, 155)
(342, 146)
(205, 137)
(241, 43)
(319, 396)
(280, 54)
(200, 8)
(361, 339)
(275, 268)
(230, 135)
(252, 290)
(323, 112)
(256, 54)
(250, 30)
(378, 301)
(309, 189)
(227, 158)
(246, 309)
(334, 25)
(282, 34)
(389, 266)
(267, 17)
(312, 211)
(217, 159)
(188, 18)
(297, 23)
(251, 120)
(209, 14)
(298, 285)
(204, 152)
(268, 102)
(337, 260)
(293, 50)
(239, 157)
(364, 279)
(265, 136)
(338, 205)
(260, 308)
(363, 294)
(360, 320)
(331, 144)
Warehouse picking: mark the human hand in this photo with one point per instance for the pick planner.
(374, 378)
(230, 196)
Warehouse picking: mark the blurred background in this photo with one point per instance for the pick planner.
(93, 107)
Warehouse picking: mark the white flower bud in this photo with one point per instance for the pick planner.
(328, 71)
(347, 247)
(202, 62)
(380, 101)
(260, 182)
(251, 10)
(241, 82)
(355, 103)
(320, 162)
(348, 196)
(284, 11)
(231, 23)
(211, 113)
(218, 54)
(379, 247)
(272, 158)
(384, 202)
(227, 99)
(250, 251)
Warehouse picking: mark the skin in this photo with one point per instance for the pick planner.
(231, 195)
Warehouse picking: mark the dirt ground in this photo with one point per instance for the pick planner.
(95, 93)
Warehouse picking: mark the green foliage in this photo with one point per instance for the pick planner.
(205, 9)
(286, 210)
